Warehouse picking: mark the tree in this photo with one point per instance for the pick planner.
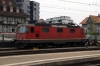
(92, 30)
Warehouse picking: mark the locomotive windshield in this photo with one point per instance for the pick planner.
(23, 29)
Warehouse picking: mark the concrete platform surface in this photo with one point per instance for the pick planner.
(54, 58)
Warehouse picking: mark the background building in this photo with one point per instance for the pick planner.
(61, 19)
(41, 21)
(29, 7)
(10, 16)
(34, 10)
(86, 23)
(24, 5)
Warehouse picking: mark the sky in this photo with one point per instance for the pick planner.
(76, 9)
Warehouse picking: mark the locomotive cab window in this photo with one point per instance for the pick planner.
(59, 29)
(23, 29)
(72, 30)
(45, 29)
(32, 29)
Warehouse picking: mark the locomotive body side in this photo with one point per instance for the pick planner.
(39, 32)
(49, 35)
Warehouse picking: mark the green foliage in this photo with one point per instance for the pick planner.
(92, 29)
(93, 33)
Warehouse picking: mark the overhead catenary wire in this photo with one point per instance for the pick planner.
(64, 13)
(73, 9)
(81, 3)
(69, 8)
(53, 10)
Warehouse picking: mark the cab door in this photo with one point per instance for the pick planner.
(34, 32)
(37, 32)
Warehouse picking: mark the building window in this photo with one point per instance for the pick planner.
(4, 18)
(9, 29)
(35, 18)
(98, 30)
(19, 20)
(13, 19)
(34, 8)
(45, 29)
(59, 29)
(13, 28)
(11, 9)
(20, 5)
(28, 7)
(10, 18)
(3, 2)
(0, 18)
(4, 8)
(86, 31)
(84, 25)
(4, 28)
(10, 3)
(22, 20)
(35, 13)
(17, 10)
(19, 0)
(34, 4)
(72, 30)
(28, 11)
(16, 19)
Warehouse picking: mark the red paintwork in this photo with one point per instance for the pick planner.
(52, 34)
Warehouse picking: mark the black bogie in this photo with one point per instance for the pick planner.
(49, 44)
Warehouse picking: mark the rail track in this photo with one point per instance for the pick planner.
(13, 51)
(8, 49)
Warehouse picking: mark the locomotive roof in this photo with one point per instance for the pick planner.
(51, 25)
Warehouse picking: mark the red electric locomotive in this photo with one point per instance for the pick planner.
(46, 35)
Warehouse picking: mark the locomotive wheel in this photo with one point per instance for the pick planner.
(20, 45)
(17, 44)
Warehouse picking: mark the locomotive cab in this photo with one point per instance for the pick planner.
(22, 30)
(27, 31)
